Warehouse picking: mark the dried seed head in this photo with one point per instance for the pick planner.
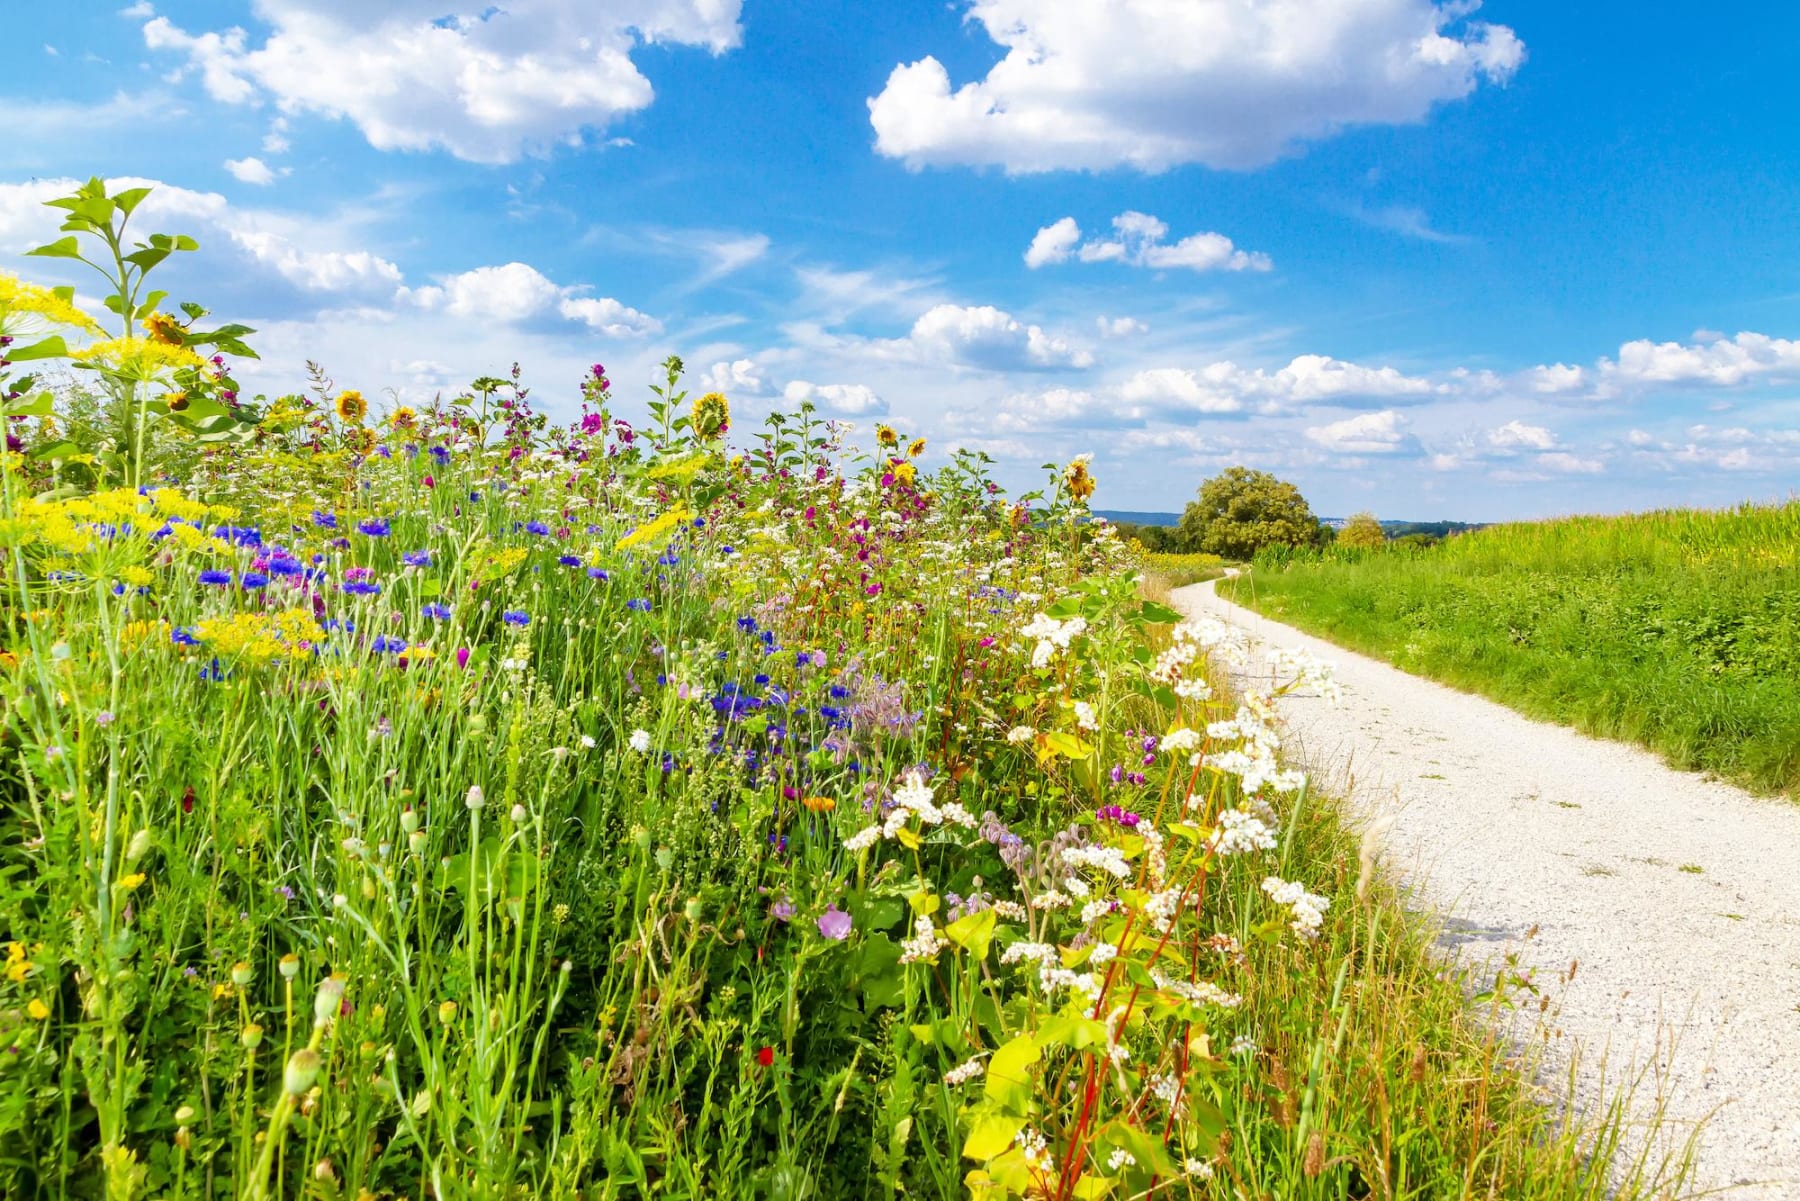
(1314, 1163)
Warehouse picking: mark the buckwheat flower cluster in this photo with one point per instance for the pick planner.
(1307, 909)
(964, 1072)
(1052, 635)
(1243, 830)
(1307, 671)
(925, 943)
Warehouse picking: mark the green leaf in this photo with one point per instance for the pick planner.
(52, 347)
(973, 931)
(147, 258)
(1008, 1080)
(1158, 614)
(60, 449)
(30, 406)
(1068, 745)
(130, 198)
(991, 1135)
(62, 248)
(1072, 1031)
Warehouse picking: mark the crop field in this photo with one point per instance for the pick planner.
(1679, 629)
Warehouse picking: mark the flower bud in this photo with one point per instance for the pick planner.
(415, 842)
(138, 847)
(184, 1115)
(301, 1071)
(328, 1000)
(251, 1037)
(519, 815)
(241, 975)
(447, 1012)
(409, 819)
(290, 966)
(692, 909)
(475, 798)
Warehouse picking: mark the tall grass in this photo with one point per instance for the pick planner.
(1677, 629)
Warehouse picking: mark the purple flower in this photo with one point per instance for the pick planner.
(834, 924)
(255, 579)
(416, 558)
(516, 617)
(598, 573)
(362, 588)
(374, 527)
(569, 560)
(217, 579)
(536, 527)
(437, 612)
(782, 910)
(325, 520)
(641, 605)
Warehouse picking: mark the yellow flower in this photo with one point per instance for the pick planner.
(28, 300)
(712, 415)
(165, 329)
(132, 881)
(656, 529)
(37, 1009)
(352, 407)
(137, 359)
(904, 473)
(405, 418)
(1077, 481)
(885, 435)
(916, 449)
(360, 440)
(819, 804)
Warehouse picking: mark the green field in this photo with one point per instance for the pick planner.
(1678, 629)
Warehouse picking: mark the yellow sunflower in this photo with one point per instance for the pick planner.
(352, 407)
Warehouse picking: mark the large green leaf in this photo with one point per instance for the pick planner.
(990, 1135)
(52, 347)
(30, 406)
(62, 248)
(973, 931)
(1008, 1075)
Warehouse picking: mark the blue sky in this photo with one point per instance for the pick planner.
(1426, 259)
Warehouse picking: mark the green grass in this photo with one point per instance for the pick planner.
(1678, 629)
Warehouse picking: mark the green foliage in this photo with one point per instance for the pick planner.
(1361, 532)
(1677, 629)
(1239, 512)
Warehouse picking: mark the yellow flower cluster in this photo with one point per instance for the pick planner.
(23, 299)
(18, 962)
(492, 563)
(260, 637)
(139, 359)
(655, 530)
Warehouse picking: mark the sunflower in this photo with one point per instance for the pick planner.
(712, 415)
(1076, 479)
(405, 418)
(885, 435)
(352, 407)
(916, 449)
(360, 440)
(165, 329)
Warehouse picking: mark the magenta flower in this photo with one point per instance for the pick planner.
(834, 924)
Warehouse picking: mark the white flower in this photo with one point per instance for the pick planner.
(963, 1072)
(587, 742)
(1020, 734)
(863, 839)
(1084, 716)
(640, 741)
(1308, 909)
(1239, 831)
(1029, 952)
(925, 943)
(1120, 1158)
(1178, 740)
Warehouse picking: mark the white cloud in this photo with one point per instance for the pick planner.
(1212, 389)
(1719, 361)
(1516, 435)
(1153, 83)
(1309, 379)
(250, 170)
(1556, 379)
(1120, 327)
(1568, 464)
(489, 88)
(1053, 243)
(269, 240)
(517, 292)
(989, 338)
(137, 12)
(1138, 241)
(739, 375)
(1381, 433)
(849, 400)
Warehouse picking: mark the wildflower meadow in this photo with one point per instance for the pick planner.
(448, 801)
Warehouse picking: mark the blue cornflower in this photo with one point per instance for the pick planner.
(416, 558)
(239, 534)
(536, 527)
(374, 527)
(760, 679)
(569, 560)
(598, 573)
(516, 617)
(384, 645)
(440, 454)
(183, 636)
(167, 528)
(839, 692)
(641, 605)
(285, 566)
(254, 579)
(437, 612)
(212, 672)
(747, 624)
(669, 559)
(325, 520)
(362, 588)
(216, 578)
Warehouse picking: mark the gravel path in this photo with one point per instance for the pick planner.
(1679, 897)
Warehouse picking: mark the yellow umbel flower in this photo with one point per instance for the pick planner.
(138, 359)
(655, 530)
(712, 415)
(22, 300)
(352, 407)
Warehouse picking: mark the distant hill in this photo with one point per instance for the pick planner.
(1394, 529)
(1131, 517)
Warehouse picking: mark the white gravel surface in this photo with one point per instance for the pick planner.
(1678, 896)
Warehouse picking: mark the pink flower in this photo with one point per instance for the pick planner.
(834, 924)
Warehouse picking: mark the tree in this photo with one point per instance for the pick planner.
(1241, 511)
(1361, 532)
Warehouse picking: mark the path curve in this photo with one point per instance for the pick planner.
(1506, 824)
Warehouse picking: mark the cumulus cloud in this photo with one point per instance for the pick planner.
(737, 375)
(989, 338)
(1716, 360)
(1380, 433)
(849, 400)
(1516, 435)
(488, 83)
(1150, 84)
(1053, 244)
(1308, 379)
(1120, 327)
(268, 241)
(250, 170)
(517, 292)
